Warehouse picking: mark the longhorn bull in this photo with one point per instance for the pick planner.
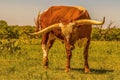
(69, 24)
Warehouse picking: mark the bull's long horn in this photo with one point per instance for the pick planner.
(86, 21)
(47, 29)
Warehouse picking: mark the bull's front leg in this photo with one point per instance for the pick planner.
(45, 50)
(47, 43)
(86, 66)
(69, 47)
(45, 55)
(69, 54)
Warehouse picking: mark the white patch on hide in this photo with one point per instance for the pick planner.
(45, 51)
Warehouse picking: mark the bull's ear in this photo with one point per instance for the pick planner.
(35, 21)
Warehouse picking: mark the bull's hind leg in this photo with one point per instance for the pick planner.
(46, 45)
(86, 66)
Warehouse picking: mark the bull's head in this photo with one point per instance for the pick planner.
(69, 26)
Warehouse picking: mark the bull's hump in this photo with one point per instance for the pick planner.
(80, 8)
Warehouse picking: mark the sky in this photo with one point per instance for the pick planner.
(23, 12)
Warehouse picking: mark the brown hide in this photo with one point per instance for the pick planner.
(65, 14)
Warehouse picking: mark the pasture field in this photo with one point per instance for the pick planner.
(26, 63)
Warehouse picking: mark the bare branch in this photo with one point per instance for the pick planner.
(109, 27)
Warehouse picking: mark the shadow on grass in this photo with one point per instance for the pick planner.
(92, 71)
(101, 71)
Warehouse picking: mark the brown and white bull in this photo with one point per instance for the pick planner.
(68, 23)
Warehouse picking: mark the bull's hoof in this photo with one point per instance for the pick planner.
(46, 67)
(67, 70)
(87, 70)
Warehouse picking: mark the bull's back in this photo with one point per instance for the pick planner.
(64, 14)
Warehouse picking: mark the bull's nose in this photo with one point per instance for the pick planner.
(72, 47)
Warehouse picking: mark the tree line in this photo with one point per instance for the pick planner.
(111, 33)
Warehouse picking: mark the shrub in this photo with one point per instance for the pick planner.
(9, 45)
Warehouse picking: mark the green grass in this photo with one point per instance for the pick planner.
(26, 64)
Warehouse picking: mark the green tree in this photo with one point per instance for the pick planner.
(3, 27)
(3, 23)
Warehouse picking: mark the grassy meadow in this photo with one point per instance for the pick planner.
(25, 63)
